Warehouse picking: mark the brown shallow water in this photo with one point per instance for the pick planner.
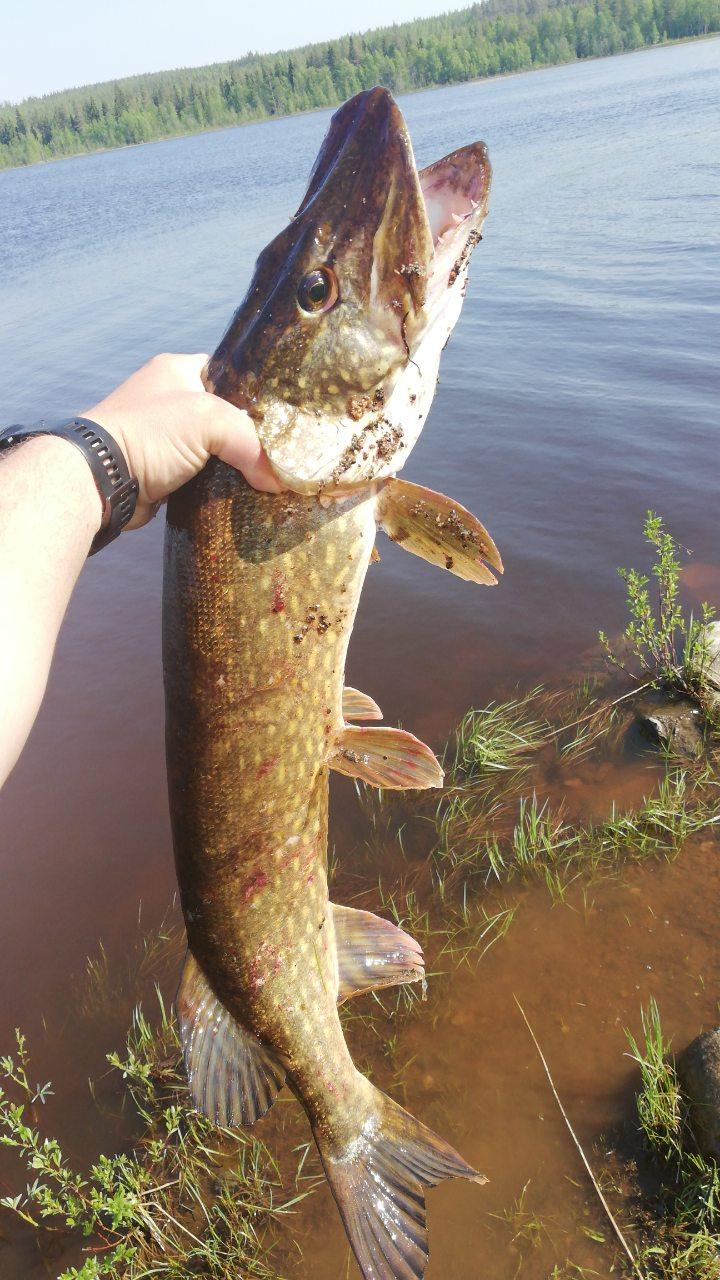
(581, 973)
(579, 391)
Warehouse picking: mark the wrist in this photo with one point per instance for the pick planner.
(58, 457)
(108, 422)
(116, 489)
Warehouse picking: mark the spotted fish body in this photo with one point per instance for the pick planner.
(257, 708)
(261, 593)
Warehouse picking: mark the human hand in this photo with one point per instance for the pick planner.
(168, 425)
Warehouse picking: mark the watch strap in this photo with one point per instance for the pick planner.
(117, 488)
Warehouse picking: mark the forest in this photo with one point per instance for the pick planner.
(488, 39)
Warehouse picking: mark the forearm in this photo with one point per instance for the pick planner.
(50, 511)
(167, 426)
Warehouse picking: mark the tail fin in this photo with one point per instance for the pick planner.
(378, 1183)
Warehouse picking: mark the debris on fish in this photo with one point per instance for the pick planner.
(334, 353)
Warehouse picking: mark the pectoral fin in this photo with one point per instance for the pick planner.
(388, 758)
(234, 1078)
(373, 953)
(358, 706)
(438, 530)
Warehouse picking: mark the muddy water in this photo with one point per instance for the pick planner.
(577, 392)
(580, 973)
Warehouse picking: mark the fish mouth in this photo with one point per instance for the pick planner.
(455, 192)
(340, 399)
(427, 215)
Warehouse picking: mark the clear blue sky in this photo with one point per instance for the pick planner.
(48, 44)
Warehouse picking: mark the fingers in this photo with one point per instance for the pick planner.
(234, 440)
(167, 424)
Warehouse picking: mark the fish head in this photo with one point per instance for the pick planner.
(335, 349)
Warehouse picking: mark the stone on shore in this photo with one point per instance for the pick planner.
(698, 1069)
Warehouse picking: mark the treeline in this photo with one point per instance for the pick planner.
(484, 40)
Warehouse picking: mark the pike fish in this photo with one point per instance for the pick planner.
(334, 352)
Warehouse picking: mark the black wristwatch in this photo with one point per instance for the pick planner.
(117, 488)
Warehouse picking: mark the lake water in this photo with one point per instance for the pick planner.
(580, 388)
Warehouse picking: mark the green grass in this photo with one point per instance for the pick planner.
(151, 953)
(499, 834)
(659, 1101)
(682, 1238)
(571, 1271)
(502, 737)
(187, 1199)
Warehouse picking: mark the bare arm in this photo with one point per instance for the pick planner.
(168, 426)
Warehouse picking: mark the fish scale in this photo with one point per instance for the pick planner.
(248, 770)
(334, 352)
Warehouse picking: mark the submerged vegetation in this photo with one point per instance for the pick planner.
(484, 40)
(507, 829)
(511, 773)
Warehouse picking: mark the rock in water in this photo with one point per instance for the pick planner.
(676, 724)
(698, 1070)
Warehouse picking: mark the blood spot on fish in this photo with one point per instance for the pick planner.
(279, 601)
(253, 886)
(266, 964)
(267, 765)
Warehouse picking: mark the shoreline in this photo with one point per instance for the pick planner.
(428, 88)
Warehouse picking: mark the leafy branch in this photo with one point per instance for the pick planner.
(669, 649)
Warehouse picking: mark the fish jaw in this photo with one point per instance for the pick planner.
(339, 397)
(376, 446)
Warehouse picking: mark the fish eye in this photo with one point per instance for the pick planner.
(318, 290)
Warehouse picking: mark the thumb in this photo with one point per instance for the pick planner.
(234, 440)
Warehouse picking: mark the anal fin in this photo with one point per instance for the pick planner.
(359, 706)
(373, 953)
(438, 530)
(234, 1078)
(390, 758)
